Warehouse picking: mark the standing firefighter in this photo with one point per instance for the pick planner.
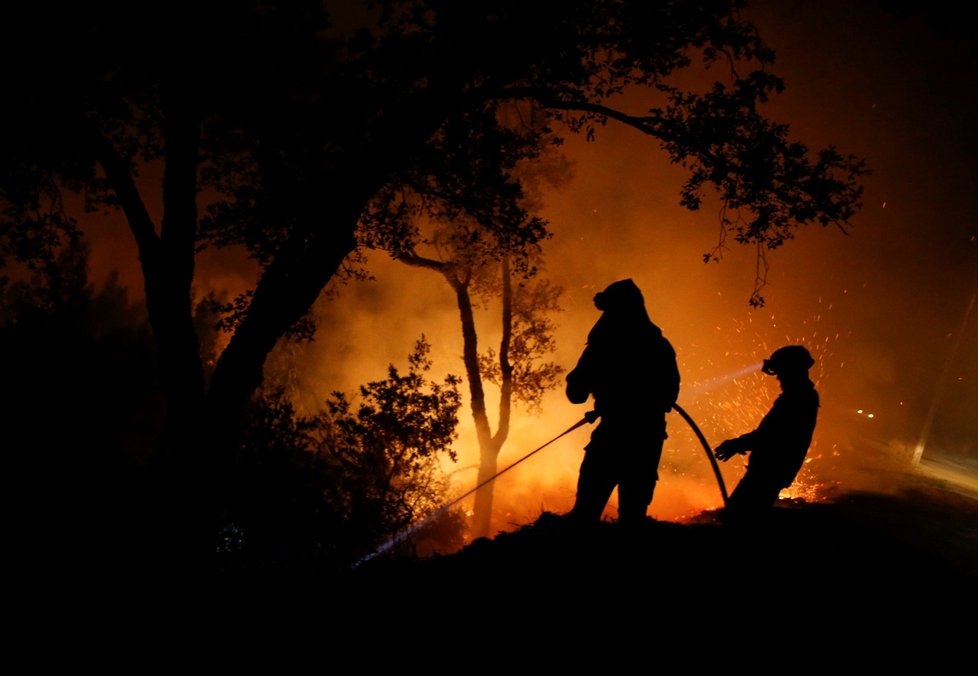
(630, 369)
(779, 444)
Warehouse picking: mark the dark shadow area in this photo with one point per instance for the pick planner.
(852, 573)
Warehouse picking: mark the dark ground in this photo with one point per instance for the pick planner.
(884, 577)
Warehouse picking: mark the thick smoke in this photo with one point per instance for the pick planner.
(882, 306)
(879, 307)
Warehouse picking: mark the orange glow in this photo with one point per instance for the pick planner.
(874, 306)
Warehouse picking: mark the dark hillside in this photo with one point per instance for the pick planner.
(860, 571)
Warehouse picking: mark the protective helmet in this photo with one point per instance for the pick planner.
(621, 295)
(788, 359)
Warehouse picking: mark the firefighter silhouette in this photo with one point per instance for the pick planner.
(779, 444)
(630, 369)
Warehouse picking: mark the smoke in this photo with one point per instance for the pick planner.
(879, 306)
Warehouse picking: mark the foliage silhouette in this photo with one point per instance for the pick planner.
(324, 490)
(275, 127)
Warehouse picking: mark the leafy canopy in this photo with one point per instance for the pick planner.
(313, 116)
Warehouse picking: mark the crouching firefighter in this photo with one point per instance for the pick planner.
(630, 369)
(779, 444)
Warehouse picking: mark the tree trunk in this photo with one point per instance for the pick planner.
(174, 494)
(167, 262)
(286, 291)
(505, 367)
(202, 430)
(487, 454)
(489, 444)
(172, 293)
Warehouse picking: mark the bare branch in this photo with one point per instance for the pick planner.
(120, 178)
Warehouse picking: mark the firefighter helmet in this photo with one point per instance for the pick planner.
(788, 359)
(621, 295)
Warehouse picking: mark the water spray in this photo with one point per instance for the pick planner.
(713, 383)
(589, 417)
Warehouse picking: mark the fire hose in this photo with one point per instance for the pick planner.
(706, 447)
(589, 417)
(398, 537)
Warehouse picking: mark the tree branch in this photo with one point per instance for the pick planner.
(120, 178)
(645, 124)
(505, 365)
(417, 261)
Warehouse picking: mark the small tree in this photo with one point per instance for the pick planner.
(330, 487)
(517, 368)
(486, 245)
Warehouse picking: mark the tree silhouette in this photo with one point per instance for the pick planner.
(326, 489)
(275, 126)
(474, 241)
(80, 412)
(516, 368)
